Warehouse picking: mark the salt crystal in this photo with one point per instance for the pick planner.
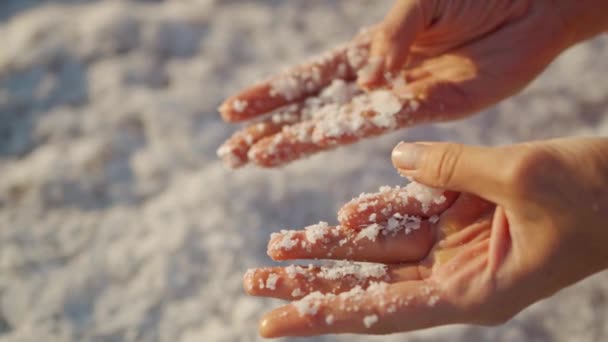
(309, 305)
(370, 320)
(386, 105)
(271, 281)
(434, 219)
(297, 292)
(316, 232)
(370, 232)
(287, 86)
(433, 300)
(239, 105)
(359, 270)
(424, 194)
(372, 217)
(329, 320)
(287, 240)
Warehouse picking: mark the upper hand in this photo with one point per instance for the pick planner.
(430, 61)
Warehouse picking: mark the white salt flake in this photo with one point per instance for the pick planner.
(370, 232)
(239, 105)
(287, 240)
(359, 270)
(370, 320)
(329, 320)
(317, 232)
(271, 281)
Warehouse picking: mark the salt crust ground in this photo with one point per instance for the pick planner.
(117, 221)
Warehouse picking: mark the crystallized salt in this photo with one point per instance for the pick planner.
(297, 292)
(293, 270)
(338, 92)
(370, 232)
(317, 232)
(239, 105)
(385, 104)
(360, 270)
(372, 217)
(287, 240)
(287, 86)
(433, 300)
(356, 56)
(309, 305)
(271, 281)
(370, 320)
(424, 194)
(434, 219)
(329, 320)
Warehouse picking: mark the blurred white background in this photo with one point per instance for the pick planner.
(118, 222)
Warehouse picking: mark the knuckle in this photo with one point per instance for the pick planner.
(441, 164)
(530, 169)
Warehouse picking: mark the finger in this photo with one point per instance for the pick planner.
(414, 199)
(407, 239)
(295, 282)
(234, 151)
(367, 115)
(298, 82)
(380, 309)
(393, 39)
(474, 169)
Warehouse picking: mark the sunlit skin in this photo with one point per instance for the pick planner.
(519, 222)
(513, 236)
(457, 56)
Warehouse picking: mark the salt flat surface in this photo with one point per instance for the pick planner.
(119, 223)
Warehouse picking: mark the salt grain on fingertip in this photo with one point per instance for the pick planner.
(239, 105)
(271, 281)
(370, 320)
(317, 232)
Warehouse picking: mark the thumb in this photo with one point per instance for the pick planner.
(392, 41)
(473, 169)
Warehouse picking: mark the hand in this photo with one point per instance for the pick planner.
(539, 228)
(430, 61)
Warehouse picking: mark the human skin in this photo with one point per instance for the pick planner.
(529, 220)
(457, 57)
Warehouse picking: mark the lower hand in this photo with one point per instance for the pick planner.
(528, 221)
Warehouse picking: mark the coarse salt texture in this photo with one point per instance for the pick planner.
(425, 195)
(239, 105)
(271, 281)
(285, 240)
(360, 270)
(370, 320)
(309, 305)
(317, 232)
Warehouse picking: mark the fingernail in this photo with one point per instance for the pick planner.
(407, 155)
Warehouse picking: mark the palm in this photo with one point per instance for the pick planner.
(437, 267)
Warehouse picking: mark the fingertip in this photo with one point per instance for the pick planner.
(406, 156)
(277, 323)
(248, 281)
(265, 328)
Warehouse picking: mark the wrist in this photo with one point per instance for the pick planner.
(582, 19)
